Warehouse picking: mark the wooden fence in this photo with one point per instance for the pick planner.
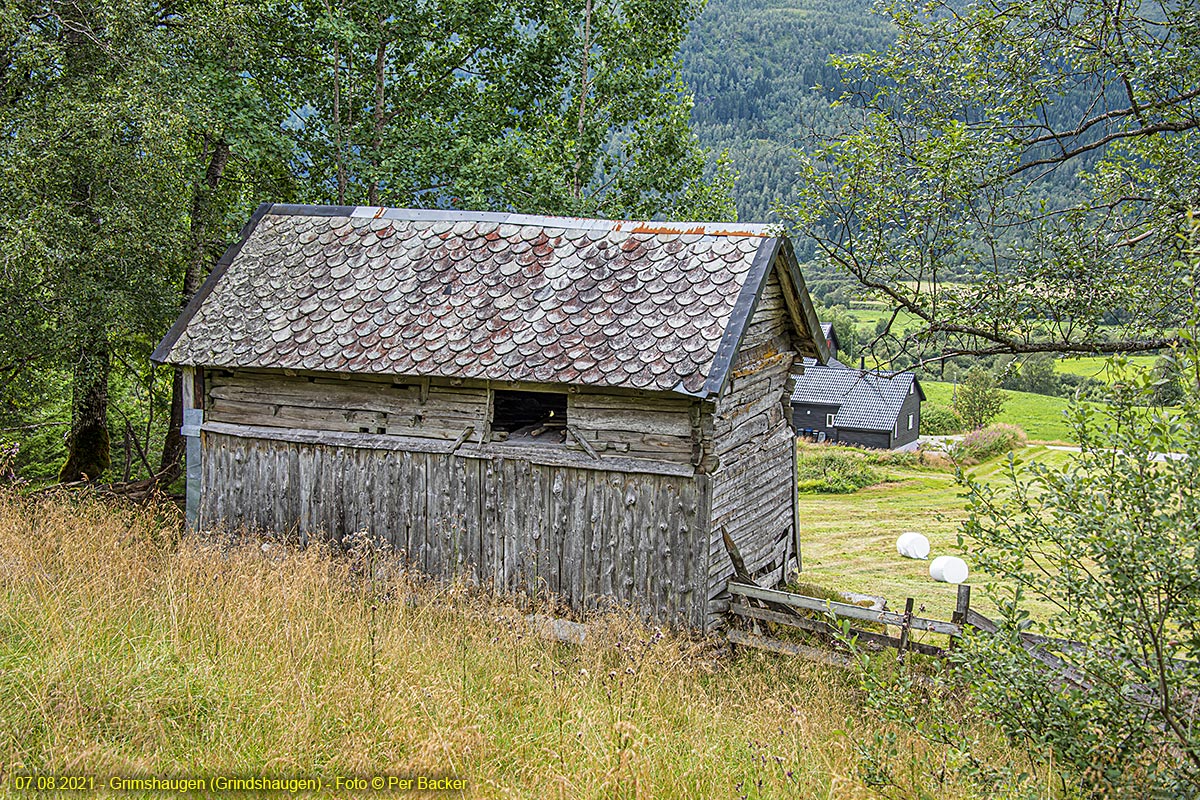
(756, 604)
(753, 603)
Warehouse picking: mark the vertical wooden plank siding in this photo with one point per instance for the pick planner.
(580, 534)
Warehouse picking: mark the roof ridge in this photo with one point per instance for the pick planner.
(504, 218)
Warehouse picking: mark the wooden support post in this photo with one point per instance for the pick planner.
(908, 612)
(961, 609)
(795, 481)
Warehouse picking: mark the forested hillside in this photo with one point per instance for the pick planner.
(754, 67)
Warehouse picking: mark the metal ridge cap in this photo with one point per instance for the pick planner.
(760, 230)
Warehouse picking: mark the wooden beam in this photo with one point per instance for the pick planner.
(822, 627)
(843, 609)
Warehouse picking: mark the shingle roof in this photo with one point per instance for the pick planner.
(476, 295)
(866, 400)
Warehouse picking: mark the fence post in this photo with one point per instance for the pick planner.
(959, 617)
(908, 612)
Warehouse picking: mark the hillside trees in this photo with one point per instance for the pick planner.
(958, 131)
(533, 106)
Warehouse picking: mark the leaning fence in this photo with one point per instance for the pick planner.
(824, 617)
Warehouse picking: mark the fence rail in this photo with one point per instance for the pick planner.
(755, 604)
(788, 609)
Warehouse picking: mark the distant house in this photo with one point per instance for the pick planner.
(837, 403)
(831, 339)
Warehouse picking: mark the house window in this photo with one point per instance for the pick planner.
(529, 417)
(829, 420)
(910, 421)
(910, 388)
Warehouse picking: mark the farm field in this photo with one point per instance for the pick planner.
(125, 649)
(1039, 415)
(849, 541)
(1096, 366)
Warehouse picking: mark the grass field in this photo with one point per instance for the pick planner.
(1039, 415)
(125, 649)
(849, 541)
(1096, 366)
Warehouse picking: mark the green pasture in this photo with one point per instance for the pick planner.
(1042, 417)
(1097, 366)
(849, 541)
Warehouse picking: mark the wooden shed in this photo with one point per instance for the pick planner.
(578, 406)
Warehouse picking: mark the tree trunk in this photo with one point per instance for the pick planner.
(200, 249)
(88, 454)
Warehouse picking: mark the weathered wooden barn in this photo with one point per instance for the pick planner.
(577, 406)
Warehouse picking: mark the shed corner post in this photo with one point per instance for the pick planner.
(193, 418)
(795, 481)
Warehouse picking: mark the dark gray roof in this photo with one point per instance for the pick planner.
(657, 306)
(866, 400)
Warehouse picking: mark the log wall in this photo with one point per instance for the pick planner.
(612, 425)
(582, 534)
(754, 484)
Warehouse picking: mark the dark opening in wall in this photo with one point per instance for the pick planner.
(533, 416)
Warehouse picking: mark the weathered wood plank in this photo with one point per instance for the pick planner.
(822, 627)
(844, 609)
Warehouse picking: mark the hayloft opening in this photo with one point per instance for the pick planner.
(529, 416)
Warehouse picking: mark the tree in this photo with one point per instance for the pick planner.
(1046, 151)
(1107, 547)
(533, 106)
(136, 137)
(978, 400)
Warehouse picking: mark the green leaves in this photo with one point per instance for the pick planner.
(1109, 544)
(1016, 175)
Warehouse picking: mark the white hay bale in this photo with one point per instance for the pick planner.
(948, 569)
(912, 545)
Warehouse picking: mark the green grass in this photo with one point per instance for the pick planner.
(1042, 417)
(849, 541)
(1096, 366)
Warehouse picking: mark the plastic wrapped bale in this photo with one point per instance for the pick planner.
(912, 545)
(948, 569)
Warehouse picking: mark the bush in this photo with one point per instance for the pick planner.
(978, 400)
(988, 443)
(835, 470)
(1109, 542)
(940, 420)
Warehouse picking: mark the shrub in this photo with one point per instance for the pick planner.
(978, 400)
(988, 443)
(835, 470)
(940, 420)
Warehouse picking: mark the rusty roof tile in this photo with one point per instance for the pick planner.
(639, 305)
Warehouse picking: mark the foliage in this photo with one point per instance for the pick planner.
(1168, 381)
(978, 400)
(1046, 149)
(939, 420)
(987, 443)
(829, 469)
(1111, 543)
(846, 329)
(135, 138)
(760, 72)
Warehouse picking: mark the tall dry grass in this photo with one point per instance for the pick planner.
(125, 648)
